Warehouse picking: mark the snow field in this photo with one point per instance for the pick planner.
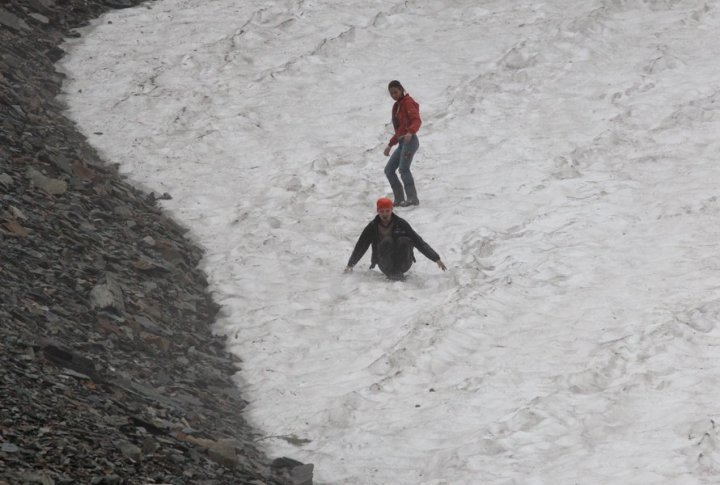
(567, 173)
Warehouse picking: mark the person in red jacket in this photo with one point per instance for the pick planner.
(406, 121)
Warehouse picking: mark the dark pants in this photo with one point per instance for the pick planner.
(395, 256)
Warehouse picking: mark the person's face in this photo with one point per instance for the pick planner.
(385, 214)
(395, 93)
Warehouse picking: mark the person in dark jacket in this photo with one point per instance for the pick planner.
(392, 240)
(406, 122)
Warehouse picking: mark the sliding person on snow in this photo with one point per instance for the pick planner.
(392, 240)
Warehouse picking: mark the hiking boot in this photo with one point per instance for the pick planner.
(409, 202)
(412, 198)
(397, 188)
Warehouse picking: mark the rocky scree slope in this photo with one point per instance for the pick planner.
(109, 372)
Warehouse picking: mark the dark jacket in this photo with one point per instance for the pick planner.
(371, 236)
(405, 118)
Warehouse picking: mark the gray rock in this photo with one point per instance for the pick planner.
(129, 450)
(223, 453)
(107, 295)
(118, 3)
(9, 448)
(285, 463)
(67, 359)
(40, 18)
(178, 458)
(151, 326)
(12, 60)
(6, 180)
(9, 20)
(302, 475)
(149, 446)
(165, 196)
(49, 185)
(17, 229)
(106, 480)
(17, 213)
(123, 211)
(42, 5)
(38, 477)
(150, 286)
(54, 54)
(59, 160)
(149, 265)
(115, 420)
(72, 373)
(298, 473)
(146, 391)
(101, 297)
(203, 355)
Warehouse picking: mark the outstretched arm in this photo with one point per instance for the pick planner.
(361, 247)
(425, 248)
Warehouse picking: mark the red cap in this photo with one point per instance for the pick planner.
(384, 203)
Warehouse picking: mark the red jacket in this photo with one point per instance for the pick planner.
(405, 118)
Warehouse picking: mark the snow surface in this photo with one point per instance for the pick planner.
(568, 177)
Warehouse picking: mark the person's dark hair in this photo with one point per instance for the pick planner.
(396, 84)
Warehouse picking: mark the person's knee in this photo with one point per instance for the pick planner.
(385, 248)
(390, 168)
(405, 266)
(405, 254)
